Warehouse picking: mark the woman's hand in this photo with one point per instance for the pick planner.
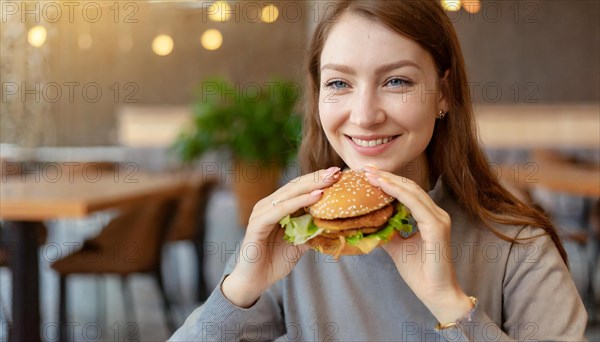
(419, 259)
(265, 257)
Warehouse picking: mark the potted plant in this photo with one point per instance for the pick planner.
(255, 123)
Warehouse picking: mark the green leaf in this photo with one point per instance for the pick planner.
(255, 128)
(299, 229)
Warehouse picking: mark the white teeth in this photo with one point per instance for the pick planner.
(371, 143)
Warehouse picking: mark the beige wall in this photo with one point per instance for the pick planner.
(534, 51)
(252, 52)
(530, 51)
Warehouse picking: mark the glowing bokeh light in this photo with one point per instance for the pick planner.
(471, 6)
(37, 36)
(211, 39)
(451, 5)
(162, 45)
(269, 14)
(219, 11)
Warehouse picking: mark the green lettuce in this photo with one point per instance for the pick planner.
(299, 229)
(400, 222)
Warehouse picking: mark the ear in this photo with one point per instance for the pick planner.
(442, 100)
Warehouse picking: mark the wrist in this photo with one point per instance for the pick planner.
(465, 318)
(451, 307)
(240, 292)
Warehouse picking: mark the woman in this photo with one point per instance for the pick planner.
(390, 96)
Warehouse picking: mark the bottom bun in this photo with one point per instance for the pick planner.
(334, 247)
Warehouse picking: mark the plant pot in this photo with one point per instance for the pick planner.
(253, 182)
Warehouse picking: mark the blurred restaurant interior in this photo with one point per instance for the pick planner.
(115, 219)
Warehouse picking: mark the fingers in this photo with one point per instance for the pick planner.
(291, 253)
(267, 214)
(295, 195)
(405, 190)
(423, 209)
(306, 183)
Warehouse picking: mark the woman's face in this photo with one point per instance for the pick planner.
(379, 97)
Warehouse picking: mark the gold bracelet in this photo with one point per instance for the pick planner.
(439, 326)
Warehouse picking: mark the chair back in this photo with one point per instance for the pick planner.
(190, 218)
(130, 242)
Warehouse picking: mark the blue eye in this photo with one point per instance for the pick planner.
(398, 82)
(337, 84)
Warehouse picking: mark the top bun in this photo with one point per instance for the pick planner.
(352, 195)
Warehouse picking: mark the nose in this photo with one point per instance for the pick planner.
(366, 110)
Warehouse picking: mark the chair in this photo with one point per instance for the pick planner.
(582, 229)
(3, 262)
(130, 243)
(190, 224)
(6, 252)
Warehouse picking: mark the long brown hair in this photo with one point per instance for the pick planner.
(453, 152)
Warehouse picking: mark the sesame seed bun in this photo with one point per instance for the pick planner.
(352, 195)
(350, 206)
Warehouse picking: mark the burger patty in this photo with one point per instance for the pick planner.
(350, 232)
(372, 220)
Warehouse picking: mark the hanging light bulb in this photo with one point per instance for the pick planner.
(37, 36)
(471, 6)
(211, 39)
(162, 45)
(451, 5)
(269, 14)
(220, 11)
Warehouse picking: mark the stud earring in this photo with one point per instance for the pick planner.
(441, 114)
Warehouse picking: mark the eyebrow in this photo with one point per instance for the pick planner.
(380, 70)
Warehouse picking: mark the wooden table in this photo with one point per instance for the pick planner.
(554, 174)
(26, 201)
(509, 126)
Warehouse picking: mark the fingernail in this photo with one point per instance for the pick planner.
(332, 170)
(332, 177)
(332, 173)
(373, 179)
(316, 192)
(370, 168)
(383, 179)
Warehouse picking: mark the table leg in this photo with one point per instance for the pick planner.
(22, 239)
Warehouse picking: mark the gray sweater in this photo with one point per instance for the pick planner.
(525, 292)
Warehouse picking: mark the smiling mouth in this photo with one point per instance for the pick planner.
(373, 142)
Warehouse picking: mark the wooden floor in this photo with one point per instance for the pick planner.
(111, 325)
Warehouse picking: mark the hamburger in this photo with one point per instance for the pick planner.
(352, 217)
